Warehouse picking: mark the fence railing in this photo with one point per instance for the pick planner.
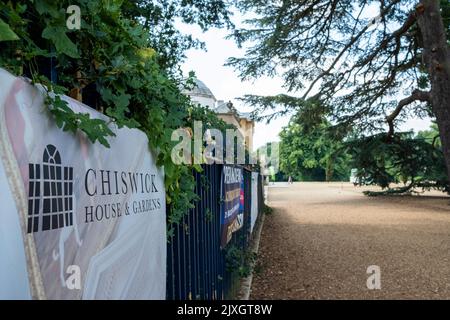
(197, 266)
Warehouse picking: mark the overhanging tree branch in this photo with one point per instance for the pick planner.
(417, 95)
(395, 35)
(355, 38)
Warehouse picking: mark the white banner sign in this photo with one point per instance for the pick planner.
(254, 207)
(78, 220)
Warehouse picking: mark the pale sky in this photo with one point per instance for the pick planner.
(226, 85)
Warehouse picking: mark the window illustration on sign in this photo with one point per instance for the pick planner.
(50, 192)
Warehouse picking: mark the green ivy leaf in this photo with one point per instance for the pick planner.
(122, 101)
(112, 7)
(61, 41)
(6, 33)
(47, 7)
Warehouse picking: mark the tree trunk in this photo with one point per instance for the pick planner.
(436, 56)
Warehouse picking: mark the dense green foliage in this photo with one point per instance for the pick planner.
(415, 161)
(123, 62)
(159, 17)
(312, 154)
(239, 261)
(431, 136)
(312, 150)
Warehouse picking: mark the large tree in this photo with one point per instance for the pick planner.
(372, 62)
(311, 153)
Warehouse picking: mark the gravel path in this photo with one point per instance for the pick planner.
(322, 237)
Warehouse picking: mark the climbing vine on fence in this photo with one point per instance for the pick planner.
(112, 59)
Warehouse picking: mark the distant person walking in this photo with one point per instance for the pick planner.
(290, 180)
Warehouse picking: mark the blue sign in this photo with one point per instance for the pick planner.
(233, 202)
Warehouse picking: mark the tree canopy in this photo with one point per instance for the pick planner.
(312, 153)
(370, 63)
(413, 161)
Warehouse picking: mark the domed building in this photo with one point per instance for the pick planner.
(202, 95)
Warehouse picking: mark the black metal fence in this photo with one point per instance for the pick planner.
(197, 266)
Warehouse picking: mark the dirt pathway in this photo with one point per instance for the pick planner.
(322, 237)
